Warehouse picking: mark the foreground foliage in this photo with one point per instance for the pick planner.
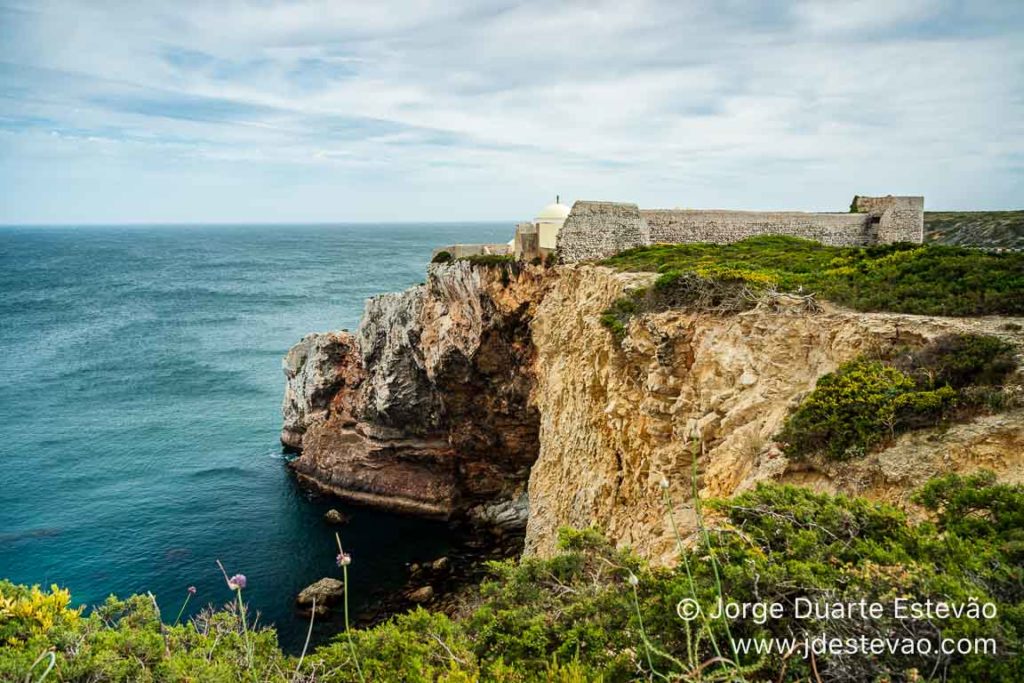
(595, 613)
(903, 278)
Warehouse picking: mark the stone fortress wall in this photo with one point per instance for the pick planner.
(596, 230)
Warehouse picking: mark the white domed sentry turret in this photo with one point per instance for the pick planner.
(549, 221)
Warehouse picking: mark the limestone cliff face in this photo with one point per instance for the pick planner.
(425, 408)
(451, 394)
(615, 421)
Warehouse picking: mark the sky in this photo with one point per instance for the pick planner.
(121, 112)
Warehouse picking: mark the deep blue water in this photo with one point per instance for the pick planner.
(140, 392)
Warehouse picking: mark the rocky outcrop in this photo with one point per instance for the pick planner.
(616, 421)
(317, 369)
(511, 514)
(426, 408)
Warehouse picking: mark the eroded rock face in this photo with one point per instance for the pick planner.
(317, 369)
(615, 421)
(426, 408)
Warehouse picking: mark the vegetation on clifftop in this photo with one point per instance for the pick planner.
(902, 278)
(595, 613)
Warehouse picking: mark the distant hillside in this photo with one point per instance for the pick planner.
(975, 228)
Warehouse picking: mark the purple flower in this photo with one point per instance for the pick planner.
(344, 559)
(236, 582)
(191, 590)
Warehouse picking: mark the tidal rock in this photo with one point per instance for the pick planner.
(422, 595)
(327, 591)
(334, 517)
(441, 564)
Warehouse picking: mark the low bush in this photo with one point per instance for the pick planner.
(960, 360)
(597, 613)
(442, 257)
(867, 401)
(489, 259)
(712, 290)
(904, 278)
(849, 411)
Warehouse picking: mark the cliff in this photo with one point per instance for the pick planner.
(425, 409)
(458, 391)
(615, 421)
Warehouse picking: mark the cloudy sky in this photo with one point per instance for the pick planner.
(483, 110)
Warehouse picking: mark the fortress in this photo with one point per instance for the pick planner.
(595, 230)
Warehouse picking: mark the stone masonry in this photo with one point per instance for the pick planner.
(597, 230)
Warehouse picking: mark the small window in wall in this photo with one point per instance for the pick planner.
(876, 219)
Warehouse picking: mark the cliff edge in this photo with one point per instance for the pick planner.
(463, 389)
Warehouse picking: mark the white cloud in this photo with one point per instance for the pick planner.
(666, 103)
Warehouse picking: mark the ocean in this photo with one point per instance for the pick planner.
(140, 394)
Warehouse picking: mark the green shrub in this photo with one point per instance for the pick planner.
(905, 278)
(489, 260)
(617, 316)
(960, 360)
(597, 613)
(849, 411)
(442, 257)
(867, 401)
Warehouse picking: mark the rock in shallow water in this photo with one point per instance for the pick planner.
(327, 591)
(334, 517)
(421, 595)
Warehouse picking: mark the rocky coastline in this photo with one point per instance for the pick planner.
(492, 391)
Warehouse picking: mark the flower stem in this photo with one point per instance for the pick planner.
(305, 646)
(348, 632)
(245, 631)
(188, 596)
(699, 512)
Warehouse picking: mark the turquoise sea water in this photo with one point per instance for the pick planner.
(140, 392)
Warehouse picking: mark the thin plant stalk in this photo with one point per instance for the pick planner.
(643, 633)
(694, 452)
(699, 510)
(241, 615)
(188, 596)
(53, 661)
(305, 646)
(245, 626)
(691, 655)
(348, 631)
